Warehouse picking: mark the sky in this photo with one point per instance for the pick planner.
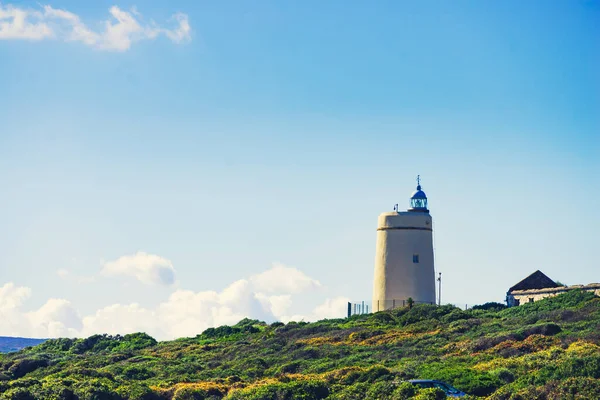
(170, 166)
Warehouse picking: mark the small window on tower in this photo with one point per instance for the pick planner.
(415, 258)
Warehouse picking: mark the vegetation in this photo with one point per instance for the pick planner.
(544, 350)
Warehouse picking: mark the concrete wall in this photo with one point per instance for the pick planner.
(526, 296)
(399, 237)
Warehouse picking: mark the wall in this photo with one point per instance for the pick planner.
(524, 296)
(399, 237)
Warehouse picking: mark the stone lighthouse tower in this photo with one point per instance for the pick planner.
(404, 256)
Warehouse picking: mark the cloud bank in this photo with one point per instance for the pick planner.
(267, 296)
(118, 32)
(283, 279)
(55, 318)
(147, 268)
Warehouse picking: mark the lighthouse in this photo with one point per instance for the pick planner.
(404, 255)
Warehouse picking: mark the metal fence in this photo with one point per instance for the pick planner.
(365, 307)
(358, 308)
(382, 305)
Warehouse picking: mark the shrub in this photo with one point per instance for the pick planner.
(570, 299)
(370, 375)
(574, 388)
(290, 368)
(487, 342)
(423, 312)
(504, 374)
(220, 332)
(137, 392)
(96, 389)
(455, 315)
(584, 367)
(468, 380)
(355, 391)
(490, 306)
(380, 391)
(137, 372)
(430, 394)
(56, 391)
(294, 390)
(462, 326)
(136, 341)
(375, 374)
(62, 344)
(197, 392)
(549, 329)
(17, 394)
(405, 390)
(24, 366)
(98, 343)
(384, 318)
(250, 325)
(366, 334)
(308, 353)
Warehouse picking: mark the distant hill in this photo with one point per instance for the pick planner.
(546, 350)
(8, 344)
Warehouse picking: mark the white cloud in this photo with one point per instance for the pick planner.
(277, 304)
(72, 29)
(121, 319)
(183, 313)
(17, 23)
(12, 297)
(66, 275)
(183, 30)
(55, 318)
(331, 308)
(282, 279)
(147, 268)
(118, 34)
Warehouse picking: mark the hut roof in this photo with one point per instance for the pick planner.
(537, 280)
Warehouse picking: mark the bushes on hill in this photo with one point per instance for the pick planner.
(490, 306)
(22, 367)
(245, 326)
(99, 343)
(294, 390)
(546, 350)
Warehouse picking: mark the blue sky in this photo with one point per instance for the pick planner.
(276, 132)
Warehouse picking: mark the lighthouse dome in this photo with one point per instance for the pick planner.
(418, 200)
(418, 194)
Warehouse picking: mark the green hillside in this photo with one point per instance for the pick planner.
(544, 350)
